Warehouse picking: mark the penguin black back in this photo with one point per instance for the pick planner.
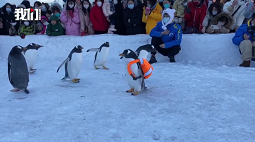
(16, 50)
(146, 47)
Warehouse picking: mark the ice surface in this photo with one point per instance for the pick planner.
(204, 97)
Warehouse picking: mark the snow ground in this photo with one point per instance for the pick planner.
(189, 101)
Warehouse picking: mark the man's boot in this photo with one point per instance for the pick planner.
(153, 59)
(245, 64)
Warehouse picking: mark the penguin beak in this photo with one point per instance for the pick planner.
(24, 48)
(82, 48)
(40, 46)
(122, 55)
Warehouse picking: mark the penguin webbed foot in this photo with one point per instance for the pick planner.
(105, 68)
(131, 90)
(135, 93)
(76, 80)
(96, 67)
(15, 90)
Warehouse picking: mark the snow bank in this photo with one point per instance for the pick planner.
(196, 49)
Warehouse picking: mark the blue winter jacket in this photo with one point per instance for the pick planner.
(173, 38)
(238, 38)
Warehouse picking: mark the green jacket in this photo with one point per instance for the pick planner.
(27, 30)
(54, 30)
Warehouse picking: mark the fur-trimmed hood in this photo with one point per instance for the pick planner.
(56, 5)
(223, 14)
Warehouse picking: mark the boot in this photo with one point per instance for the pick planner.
(112, 28)
(245, 64)
(172, 58)
(153, 59)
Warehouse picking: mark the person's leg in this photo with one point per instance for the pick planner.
(155, 41)
(172, 51)
(246, 50)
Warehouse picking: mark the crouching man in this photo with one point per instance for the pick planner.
(166, 36)
(245, 39)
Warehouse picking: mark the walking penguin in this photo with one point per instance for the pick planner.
(73, 64)
(17, 69)
(137, 69)
(30, 56)
(101, 55)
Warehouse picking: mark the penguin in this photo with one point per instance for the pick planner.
(134, 73)
(73, 64)
(17, 69)
(101, 55)
(30, 56)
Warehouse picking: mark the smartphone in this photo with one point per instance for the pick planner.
(215, 27)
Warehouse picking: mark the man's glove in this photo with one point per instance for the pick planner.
(71, 13)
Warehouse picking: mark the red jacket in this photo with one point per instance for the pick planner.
(196, 16)
(98, 18)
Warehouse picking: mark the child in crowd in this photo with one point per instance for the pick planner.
(109, 9)
(54, 28)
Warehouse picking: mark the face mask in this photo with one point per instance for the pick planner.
(86, 6)
(166, 19)
(214, 13)
(45, 23)
(160, 0)
(221, 23)
(13, 24)
(71, 5)
(148, 5)
(131, 6)
(8, 9)
(166, 6)
(57, 14)
(26, 23)
(185, 4)
(99, 3)
(115, 2)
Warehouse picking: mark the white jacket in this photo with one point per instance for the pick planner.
(238, 18)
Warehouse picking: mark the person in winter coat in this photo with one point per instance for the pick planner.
(236, 9)
(249, 10)
(194, 15)
(133, 18)
(86, 25)
(118, 18)
(98, 19)
(26, 3)
(8, 15)
(2, 28)
(27, 28)
(14, 27)
(54, 28)
(179, 6)
(70, 17)
(166, 37)
(108, 10)
(151, 15)
(245, 39)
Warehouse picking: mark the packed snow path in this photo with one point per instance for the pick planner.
(183, 103)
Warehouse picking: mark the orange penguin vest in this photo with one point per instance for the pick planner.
(145, 65)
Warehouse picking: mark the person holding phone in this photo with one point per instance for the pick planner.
(245, 39)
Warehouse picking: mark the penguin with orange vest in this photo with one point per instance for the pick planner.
(138, 68)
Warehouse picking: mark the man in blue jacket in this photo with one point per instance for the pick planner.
(166, 36)
(245, 39)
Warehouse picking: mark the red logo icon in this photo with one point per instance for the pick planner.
(31, 10)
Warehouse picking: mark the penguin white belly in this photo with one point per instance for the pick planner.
(30, 56)
(102, 56)
(135, 84)
(74, 66)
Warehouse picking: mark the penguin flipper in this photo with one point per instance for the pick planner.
(63, 63)
(9, 73)
(93, 49)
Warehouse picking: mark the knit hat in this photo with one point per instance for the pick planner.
(54, 17)
(21, 6)
(169, 12)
